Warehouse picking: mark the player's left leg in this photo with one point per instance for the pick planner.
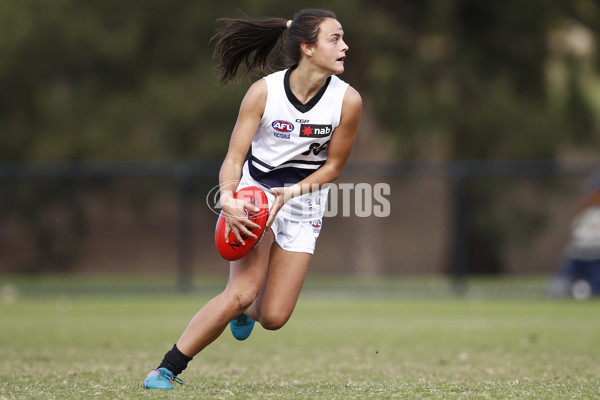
(278, 297)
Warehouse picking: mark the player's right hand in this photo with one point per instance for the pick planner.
(236, 219)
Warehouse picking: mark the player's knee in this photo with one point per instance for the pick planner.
(273, 322)
(242, 299)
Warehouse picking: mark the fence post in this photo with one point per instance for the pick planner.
(458, 266)
(185, 242)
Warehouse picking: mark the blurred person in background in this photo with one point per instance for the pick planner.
(579, 275)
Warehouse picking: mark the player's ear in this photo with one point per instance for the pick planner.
(307, 49)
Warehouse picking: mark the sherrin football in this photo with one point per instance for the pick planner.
(234, 250)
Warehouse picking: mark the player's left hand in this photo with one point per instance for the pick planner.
(282, 195)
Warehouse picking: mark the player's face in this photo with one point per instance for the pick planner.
(330, 51)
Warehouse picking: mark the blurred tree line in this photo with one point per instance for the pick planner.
(441, 79)
(444, 78)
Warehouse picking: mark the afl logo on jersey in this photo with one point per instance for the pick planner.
(282, 126)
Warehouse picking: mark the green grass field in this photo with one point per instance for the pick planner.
(83, 346)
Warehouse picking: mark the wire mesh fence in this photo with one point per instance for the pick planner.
(398, 221)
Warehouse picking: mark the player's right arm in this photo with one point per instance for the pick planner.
(248, 120)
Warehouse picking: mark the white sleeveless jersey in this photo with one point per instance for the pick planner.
(292, 141)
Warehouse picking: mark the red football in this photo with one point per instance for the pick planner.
(234, 250)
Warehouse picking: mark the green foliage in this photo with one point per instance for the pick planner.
(473, 76)
(110, 80)
(135, 80)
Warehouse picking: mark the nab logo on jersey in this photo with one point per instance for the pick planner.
(282, 126)
(315, 131)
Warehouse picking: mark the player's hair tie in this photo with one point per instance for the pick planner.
(289, 23)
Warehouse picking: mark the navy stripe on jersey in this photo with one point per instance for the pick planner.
(294, 100)
(278, 177)
(306, 162)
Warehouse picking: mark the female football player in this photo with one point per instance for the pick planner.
(299, 125)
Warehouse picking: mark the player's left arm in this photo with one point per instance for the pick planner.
(340, 146)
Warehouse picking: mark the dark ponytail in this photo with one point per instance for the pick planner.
(250, 41)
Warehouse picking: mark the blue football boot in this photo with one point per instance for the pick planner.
(161, 378)
(241, 327)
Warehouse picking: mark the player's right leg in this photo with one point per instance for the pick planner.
(246, 278)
